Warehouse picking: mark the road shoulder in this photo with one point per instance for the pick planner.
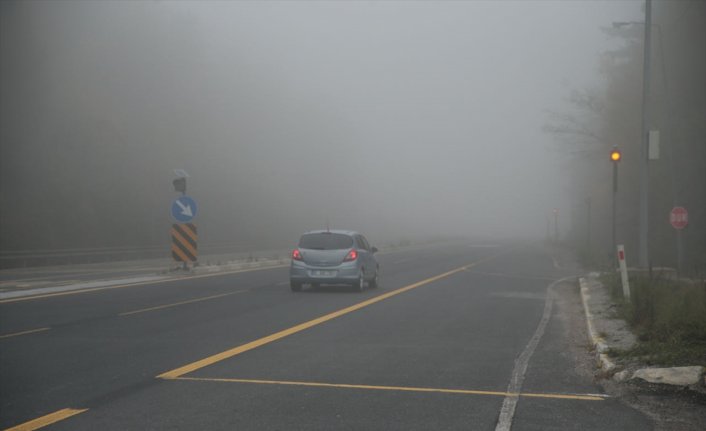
(674, 404)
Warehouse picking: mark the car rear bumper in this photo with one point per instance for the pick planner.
(305, 274)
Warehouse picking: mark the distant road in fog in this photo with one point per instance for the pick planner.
(448, 339)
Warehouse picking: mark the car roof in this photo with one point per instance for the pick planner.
(338, 231)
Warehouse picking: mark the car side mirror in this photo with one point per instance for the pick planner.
(374, 249)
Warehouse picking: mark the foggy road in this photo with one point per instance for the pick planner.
(160, 160)
(452, 334)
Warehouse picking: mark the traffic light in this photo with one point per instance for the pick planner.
(180, 185)
(615, 155)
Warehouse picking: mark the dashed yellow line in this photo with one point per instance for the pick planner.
(175, 304)
(178, 372)
(47, 420)
(581, 397)
(30, 331)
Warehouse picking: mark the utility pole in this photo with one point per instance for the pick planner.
(643, 239)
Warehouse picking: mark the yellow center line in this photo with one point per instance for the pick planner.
(582, 397)
(46, 420)
(30, 331)
(178, 372)
(175, 304)
(142, 283)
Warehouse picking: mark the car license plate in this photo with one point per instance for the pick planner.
(322, 273)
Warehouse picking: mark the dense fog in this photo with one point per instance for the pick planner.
(398, 119)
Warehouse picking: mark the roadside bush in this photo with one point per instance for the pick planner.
(668, 316)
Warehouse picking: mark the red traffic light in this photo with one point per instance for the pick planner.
(615, 155)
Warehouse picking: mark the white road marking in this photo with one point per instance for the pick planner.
(176, 304)
(507, 412)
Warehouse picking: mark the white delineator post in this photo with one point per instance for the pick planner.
(623, 271)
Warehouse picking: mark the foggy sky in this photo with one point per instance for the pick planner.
(393, 118)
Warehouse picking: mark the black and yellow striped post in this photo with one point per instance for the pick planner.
(184, 242)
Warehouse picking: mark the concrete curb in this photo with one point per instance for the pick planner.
(688, 377)
(238, 266)
(199, 271)
(87, 285)
(598, 343)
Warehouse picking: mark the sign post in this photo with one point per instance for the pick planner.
(184, 234)
(623, 272)
(184, 243)
(679, 218)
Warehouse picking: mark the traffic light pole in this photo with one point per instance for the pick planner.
(615, 194)
(615, 157)
(588, 224)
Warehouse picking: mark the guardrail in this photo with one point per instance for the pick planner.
(31, 258)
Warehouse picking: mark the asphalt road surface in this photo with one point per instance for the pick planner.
(450, 338)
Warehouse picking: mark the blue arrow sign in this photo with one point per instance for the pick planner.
(184, 209)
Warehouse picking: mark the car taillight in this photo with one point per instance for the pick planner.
(352, 255)
(296, 254)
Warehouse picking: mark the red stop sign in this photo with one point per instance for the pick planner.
(679, 217)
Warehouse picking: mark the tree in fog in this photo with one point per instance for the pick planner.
(610, 115)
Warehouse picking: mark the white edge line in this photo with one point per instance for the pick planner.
(507, 411)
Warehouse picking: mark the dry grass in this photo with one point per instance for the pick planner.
(668, 317)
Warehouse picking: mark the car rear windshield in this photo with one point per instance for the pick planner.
(325, 241)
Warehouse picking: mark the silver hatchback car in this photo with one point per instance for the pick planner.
(333, 257)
